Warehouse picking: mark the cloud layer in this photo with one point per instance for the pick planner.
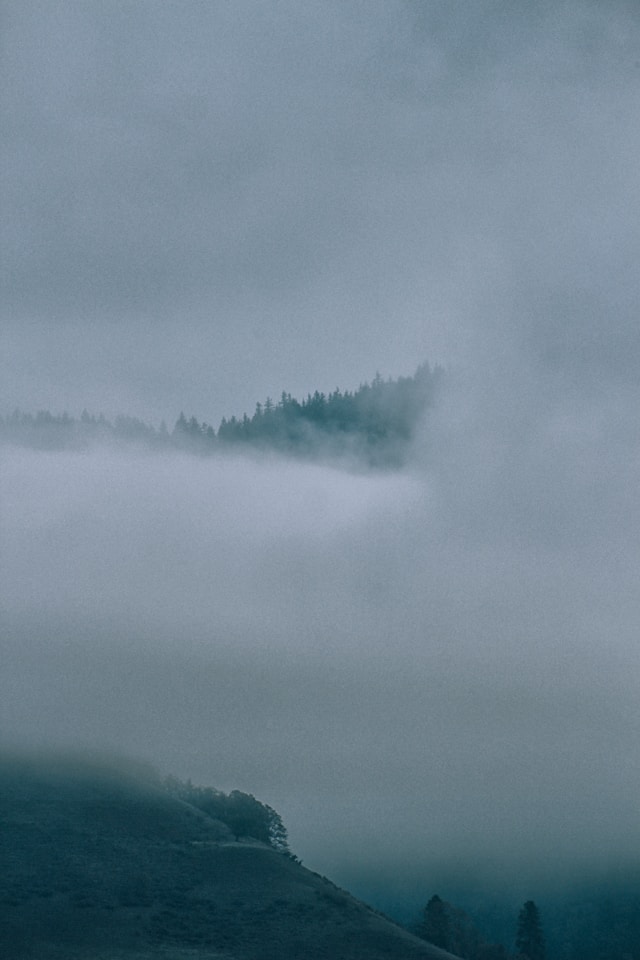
(210, 203)
(412, 670)
(206, 205)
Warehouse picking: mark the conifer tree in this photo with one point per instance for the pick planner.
(436, 927)
(529, 939)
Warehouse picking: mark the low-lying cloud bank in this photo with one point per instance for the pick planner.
(213, 202)
(428, 670)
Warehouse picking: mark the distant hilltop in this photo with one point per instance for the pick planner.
(100, 863)
(374, 424)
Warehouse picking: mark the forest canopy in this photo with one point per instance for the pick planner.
(240, 812)
(375, 424)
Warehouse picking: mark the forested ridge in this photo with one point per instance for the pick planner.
(375, 423)
(105, 859)
(112, 862)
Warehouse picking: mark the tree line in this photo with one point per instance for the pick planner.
(374, 423)
(452, 929)
(241, 813)
(597, 923)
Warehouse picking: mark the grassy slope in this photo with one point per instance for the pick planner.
(109, 867)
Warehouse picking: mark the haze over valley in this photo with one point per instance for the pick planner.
(417, 640)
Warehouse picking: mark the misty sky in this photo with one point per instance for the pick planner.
(207, 203)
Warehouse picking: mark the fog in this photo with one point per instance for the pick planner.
(412, 671)
(428, 670)
(207, 204)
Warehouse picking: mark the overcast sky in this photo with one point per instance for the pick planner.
(207, 203)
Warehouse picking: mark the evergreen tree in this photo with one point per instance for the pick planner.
(435, 925)
(181, 425)
(194, 428)
(529, 939)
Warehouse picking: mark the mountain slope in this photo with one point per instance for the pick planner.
(109, 867)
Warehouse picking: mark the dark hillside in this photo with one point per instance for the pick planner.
(108, 866)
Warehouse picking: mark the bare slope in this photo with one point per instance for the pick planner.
(109, 867)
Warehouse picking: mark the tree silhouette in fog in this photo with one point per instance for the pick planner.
(529, 938)
(375, 424)
(452, 929)
(435, 924)
(245, 816)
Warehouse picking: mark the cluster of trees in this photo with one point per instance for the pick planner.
(452, 929)
(376, 422)
(600, 923)
(49, 431)
(245, 816)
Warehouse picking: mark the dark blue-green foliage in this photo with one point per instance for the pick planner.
(529, 939)
(245, 816)
(377, 421)
(374, 423)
